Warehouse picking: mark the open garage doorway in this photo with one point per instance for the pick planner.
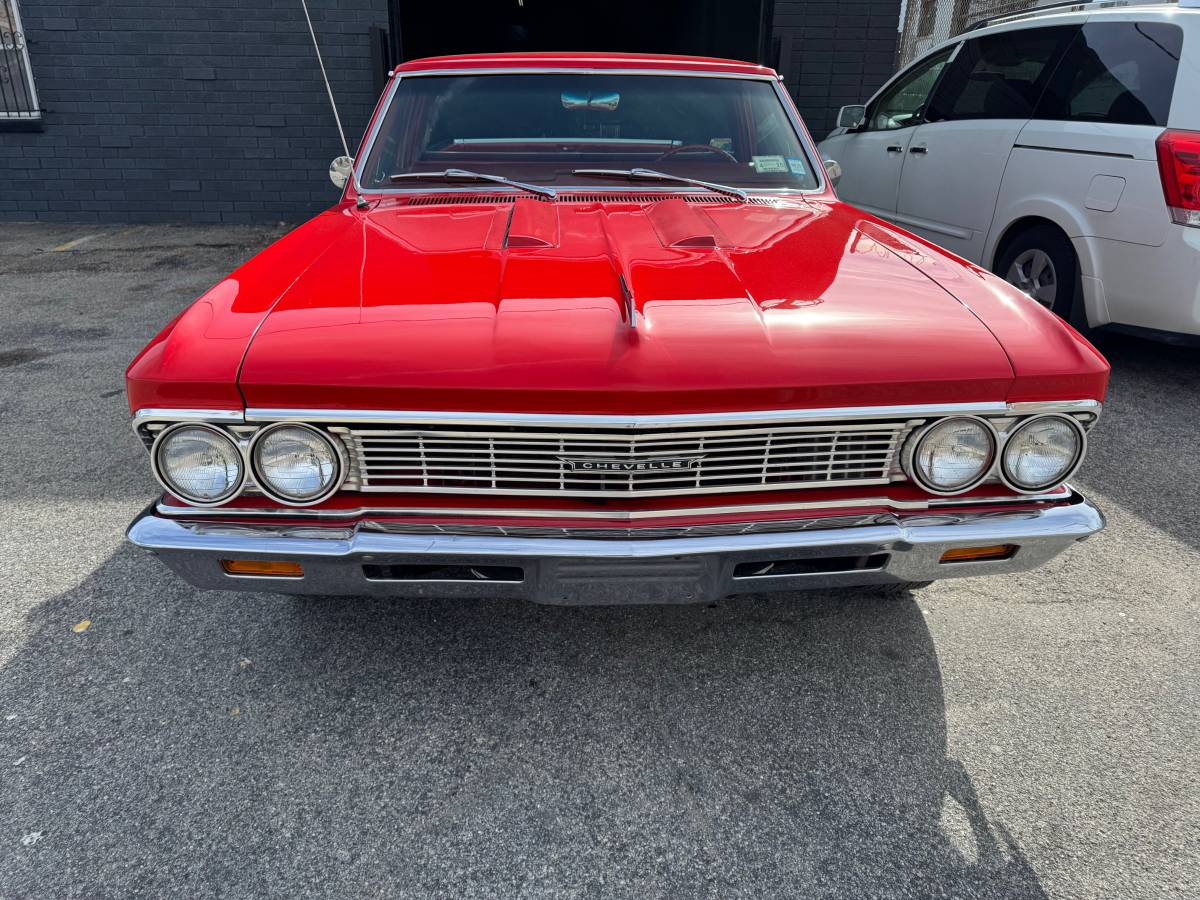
(736, 29)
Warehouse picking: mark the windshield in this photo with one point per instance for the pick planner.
(540, 128)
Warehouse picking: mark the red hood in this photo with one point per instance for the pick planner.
(738, 306)
(520, 307)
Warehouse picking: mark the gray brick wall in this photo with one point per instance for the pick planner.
(835, 52)
(179, 110)
(214, 110)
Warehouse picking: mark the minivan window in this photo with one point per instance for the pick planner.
(999, 76)
(902, 103)
(1116, 72)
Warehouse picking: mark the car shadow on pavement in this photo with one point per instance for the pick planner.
(259, 745)
(1139, 463)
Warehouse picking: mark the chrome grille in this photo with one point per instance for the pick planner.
(490, 459)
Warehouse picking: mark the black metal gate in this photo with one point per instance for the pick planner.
(18, 96)
(741, 29)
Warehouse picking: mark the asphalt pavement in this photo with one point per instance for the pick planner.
(1009, 737)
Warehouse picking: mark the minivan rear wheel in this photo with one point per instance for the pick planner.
(1041, 262)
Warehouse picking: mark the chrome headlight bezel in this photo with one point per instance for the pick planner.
(171, 488)
(913, 471)
(339, 455)
(1080, 453)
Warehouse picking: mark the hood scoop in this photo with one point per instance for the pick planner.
(678, 226)
(532, 224)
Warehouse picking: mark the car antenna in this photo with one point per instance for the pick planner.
(328, 89)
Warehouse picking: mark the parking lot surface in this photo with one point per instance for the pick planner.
(1018, 737)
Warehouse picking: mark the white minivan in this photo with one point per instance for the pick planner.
(1059, 148)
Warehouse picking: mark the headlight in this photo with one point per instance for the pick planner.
(1042, 452)
(953, 455)
(199, 463)
(295, 463)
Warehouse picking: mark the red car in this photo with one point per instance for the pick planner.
(596, 329)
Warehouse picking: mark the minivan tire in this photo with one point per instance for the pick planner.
(1035, 247)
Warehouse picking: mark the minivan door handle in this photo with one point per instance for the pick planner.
(894, 148)
(919, 149)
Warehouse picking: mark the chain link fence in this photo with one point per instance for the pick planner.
(926, 23)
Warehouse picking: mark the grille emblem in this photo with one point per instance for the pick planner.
(592, 464)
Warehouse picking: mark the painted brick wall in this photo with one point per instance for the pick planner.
(181, 110)
(214, 110)
(835, 52)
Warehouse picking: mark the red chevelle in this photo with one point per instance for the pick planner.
(596, 329)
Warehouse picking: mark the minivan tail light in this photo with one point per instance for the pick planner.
(1179, 167)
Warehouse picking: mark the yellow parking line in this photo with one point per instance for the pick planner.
(71, 245)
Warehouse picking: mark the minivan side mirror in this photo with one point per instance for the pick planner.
(339, 171)
(851, 116)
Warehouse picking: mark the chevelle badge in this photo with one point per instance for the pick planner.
(630, 465)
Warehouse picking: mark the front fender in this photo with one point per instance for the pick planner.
(1019, 214)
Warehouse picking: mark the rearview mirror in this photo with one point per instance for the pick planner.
(606, 100)
(834, 170)
(851, 116)
(339, 171)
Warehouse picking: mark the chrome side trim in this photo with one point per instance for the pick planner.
(375, 416)
(550, 420)
(612, 515)
(211, 416)
(266, 414)
(1055, 406)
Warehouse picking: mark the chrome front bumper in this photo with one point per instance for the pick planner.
(363, 560)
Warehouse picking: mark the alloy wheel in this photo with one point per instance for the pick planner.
(1033, 272)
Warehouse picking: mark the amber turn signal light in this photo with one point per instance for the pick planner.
(268, 568)
(973, 554)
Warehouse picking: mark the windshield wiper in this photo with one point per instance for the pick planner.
(652, 175)
(464, 175)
